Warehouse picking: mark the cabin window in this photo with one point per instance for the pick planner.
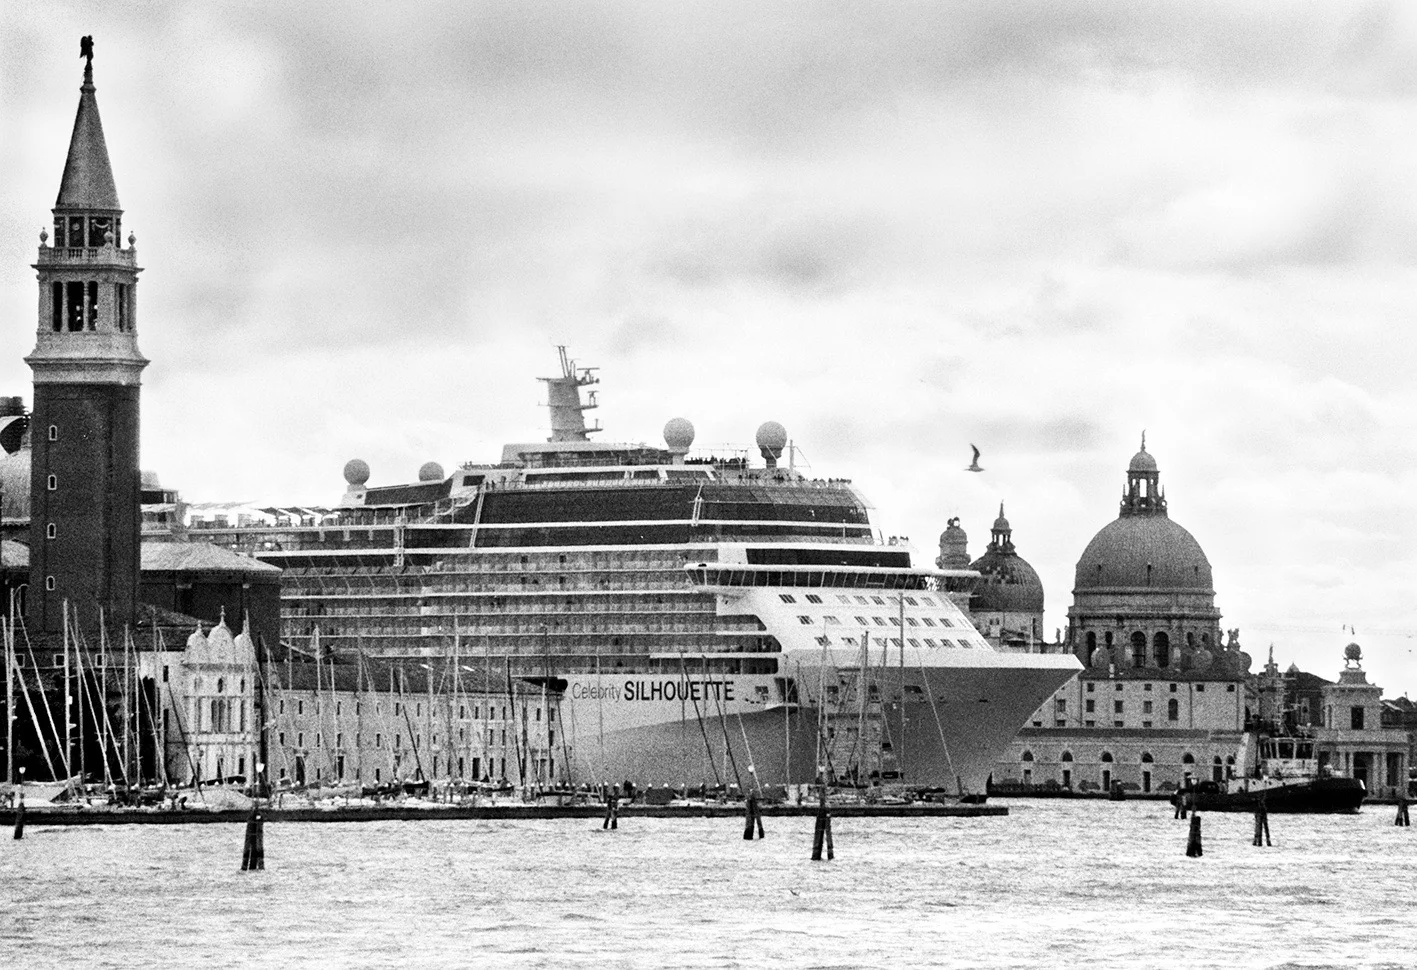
(51, 531)
(49, 583)
(53, 482)
(54, 432)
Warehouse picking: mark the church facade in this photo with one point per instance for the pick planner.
(1162, 696)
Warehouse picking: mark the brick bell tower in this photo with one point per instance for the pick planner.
(85, 511)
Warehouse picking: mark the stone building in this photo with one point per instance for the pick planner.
(380, 722)
(1162, 696)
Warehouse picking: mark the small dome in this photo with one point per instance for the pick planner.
(771, 439)
(1142, 461)
(1001, 524)
(1007, 584)
(197, 641)
(953, 532)
(1353, 652)
(430, 472)
(679, 434)
(356, 472)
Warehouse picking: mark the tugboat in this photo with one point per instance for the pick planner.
(1287, 777)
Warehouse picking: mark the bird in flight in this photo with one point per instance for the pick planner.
(974, 465)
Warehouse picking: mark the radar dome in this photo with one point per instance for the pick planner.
(679, 434)
(356, 472)
(430, 472)
(771, 439)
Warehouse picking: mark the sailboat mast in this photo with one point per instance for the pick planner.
(900, 759)
(10, 695)
(68, 699)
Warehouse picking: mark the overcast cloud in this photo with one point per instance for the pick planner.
(895, 228)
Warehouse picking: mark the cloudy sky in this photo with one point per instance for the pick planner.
(895, 228)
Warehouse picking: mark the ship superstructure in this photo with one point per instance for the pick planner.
(706, 617)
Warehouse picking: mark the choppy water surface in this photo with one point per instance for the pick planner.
(1054, 884)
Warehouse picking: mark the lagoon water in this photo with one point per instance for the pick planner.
(1054, 884)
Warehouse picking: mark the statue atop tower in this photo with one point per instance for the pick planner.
(85, 512)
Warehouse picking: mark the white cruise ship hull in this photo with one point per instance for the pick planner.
(695, 731)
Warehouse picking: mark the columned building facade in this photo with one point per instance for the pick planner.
(1162, 696)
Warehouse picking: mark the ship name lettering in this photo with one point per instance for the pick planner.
(679, 690)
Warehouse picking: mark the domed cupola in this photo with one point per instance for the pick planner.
(954, 547)
(1143, 548)
(1143, 594)
(1007, 584)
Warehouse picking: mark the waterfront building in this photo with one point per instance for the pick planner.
(1162, 697)
(374, 723)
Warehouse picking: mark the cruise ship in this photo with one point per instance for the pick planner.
(702, 616)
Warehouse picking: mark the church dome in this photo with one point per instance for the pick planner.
(1142, 461)
(1143, 551)
(1007, 583)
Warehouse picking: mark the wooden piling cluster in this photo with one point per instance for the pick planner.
(822, 837)
(752, 818)
(253, 854)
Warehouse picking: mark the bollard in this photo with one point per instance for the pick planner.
(612, 811)
(1401, 819)
(823, 834)
(1193, 843)
(1261, 823)
(253, 854)
(20, 818)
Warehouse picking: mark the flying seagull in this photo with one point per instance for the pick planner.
(974, 465)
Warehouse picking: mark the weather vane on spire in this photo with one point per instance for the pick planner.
(86, 50)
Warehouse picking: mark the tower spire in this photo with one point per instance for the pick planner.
(88, 177)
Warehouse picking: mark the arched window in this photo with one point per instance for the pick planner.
(1106, 757)
(1138, 649)
(1091, 642)
(1146, 758)
(1188, 759)
(1067, 756)
(1173, 710)
(1028, 756)
(220, 685)
(1161, 648)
